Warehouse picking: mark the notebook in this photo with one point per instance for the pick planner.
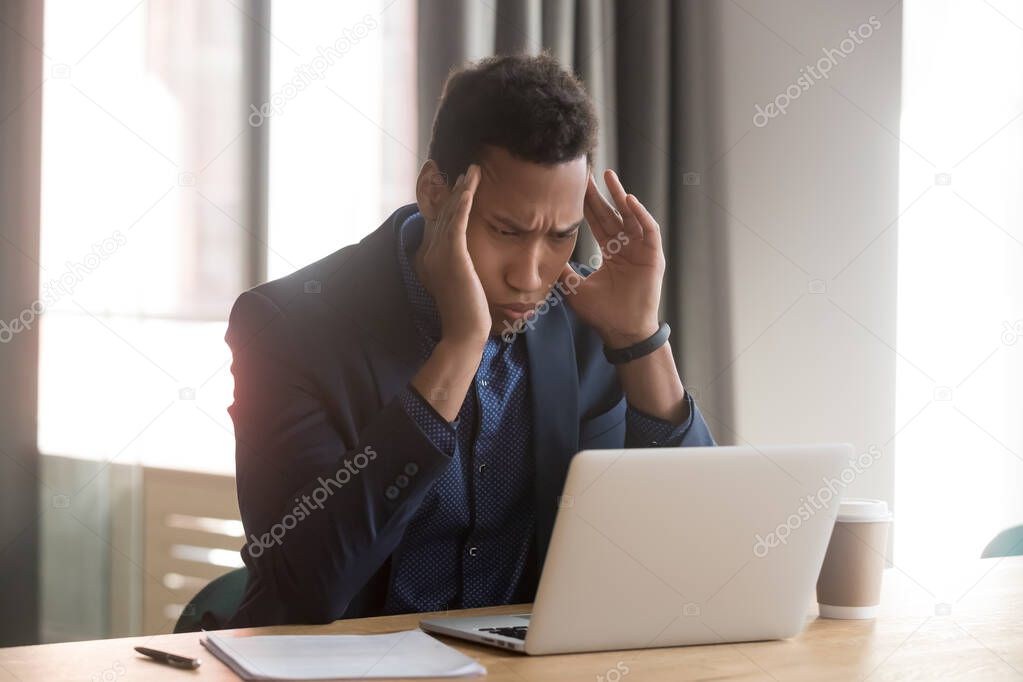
(411, 653)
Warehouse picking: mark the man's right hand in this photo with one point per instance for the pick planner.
(446, 270)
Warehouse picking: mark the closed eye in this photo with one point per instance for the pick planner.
(559, 236)
(503, 232)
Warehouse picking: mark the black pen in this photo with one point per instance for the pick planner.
(169, 659)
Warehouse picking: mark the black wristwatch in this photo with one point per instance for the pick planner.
(617, 356)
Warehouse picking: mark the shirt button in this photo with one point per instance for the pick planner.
(391, 492)
(483, 383)
(473, 551)
(411, 468)
(482, 468)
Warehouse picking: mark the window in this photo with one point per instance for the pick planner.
(142, 247)
(144, 237)
(960, 309)
(342, 117)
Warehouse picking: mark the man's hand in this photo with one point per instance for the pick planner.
(621, 299)
(447, 271)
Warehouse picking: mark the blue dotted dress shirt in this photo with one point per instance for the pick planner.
(468, 543)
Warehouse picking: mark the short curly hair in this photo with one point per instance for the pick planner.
(528, 105)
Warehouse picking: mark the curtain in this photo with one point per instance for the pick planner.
(21, 77)
(647, 67)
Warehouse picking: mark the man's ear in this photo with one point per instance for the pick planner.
(431, 189)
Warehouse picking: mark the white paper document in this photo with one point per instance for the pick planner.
(411, 653)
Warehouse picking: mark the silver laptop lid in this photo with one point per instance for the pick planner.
(672, 546)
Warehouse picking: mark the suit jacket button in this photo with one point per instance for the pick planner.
(411, 468)
(391, 492)
(401, 480)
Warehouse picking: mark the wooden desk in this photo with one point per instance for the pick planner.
(977, 635)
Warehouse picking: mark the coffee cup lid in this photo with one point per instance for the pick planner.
(860, 510)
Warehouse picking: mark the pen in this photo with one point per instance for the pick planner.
(169, 659)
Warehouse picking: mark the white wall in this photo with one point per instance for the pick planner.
(808, 203)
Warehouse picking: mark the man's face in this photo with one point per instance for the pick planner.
(522, 229)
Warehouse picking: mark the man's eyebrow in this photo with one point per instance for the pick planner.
(559, 232)
(570, 229)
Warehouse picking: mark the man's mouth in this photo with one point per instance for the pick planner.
(517, 310)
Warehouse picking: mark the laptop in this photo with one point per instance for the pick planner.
(662, 547)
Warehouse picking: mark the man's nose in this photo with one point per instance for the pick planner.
(525, 271)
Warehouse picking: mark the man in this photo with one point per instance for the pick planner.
(406, 408)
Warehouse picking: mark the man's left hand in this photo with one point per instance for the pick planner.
(621, 299)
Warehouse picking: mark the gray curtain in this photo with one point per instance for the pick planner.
(21, 78)
(648, 65)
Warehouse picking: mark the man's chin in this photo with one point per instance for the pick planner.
(501, 325)
(508, 327)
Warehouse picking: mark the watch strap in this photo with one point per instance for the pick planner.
(618, 356)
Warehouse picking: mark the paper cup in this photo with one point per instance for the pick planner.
(849, 585)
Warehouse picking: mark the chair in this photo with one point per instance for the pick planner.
(1007, 543)
(214, 604)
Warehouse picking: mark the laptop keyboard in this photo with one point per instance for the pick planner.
(515, 632)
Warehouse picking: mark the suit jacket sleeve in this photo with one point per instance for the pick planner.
(644, 430)
(321, 513)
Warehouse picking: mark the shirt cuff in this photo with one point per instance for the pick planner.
(644, 430)
(438, 430)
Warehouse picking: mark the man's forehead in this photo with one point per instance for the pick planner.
(510, 185)
(497, 163)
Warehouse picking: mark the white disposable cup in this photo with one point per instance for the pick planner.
(849, 585)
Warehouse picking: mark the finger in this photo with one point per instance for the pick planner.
(569, 281)
(466, 192)
(651, 230)
(601, 222)
(448, 207)
(629, 219)
(460, 220)
(440, 219)
(473, 176)
(470, 182)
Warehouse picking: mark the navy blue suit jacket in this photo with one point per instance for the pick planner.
(320, 357)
